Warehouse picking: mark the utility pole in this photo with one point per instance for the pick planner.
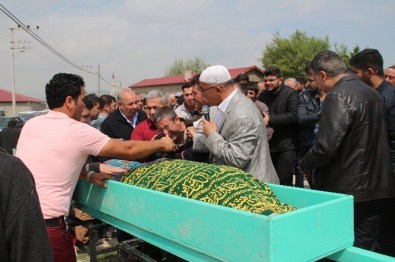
(98, 76)
(113, 85)
(21, 50)
(98, 80)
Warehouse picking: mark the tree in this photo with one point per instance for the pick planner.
(291, 55)
(179, 66)
(344, 54)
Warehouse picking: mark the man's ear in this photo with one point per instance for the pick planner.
(323, 75)
(70, 103)
(370, 71)
(218, 88)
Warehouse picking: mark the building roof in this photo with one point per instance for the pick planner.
(6, 96)
(179, 79)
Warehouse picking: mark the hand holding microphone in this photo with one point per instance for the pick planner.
(206, 112)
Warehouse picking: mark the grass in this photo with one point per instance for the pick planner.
(110, 256)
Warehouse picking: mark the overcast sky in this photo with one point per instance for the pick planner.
(136, 40)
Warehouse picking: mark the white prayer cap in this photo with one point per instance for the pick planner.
(216, 74)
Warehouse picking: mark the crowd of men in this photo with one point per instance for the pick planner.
(335, 127)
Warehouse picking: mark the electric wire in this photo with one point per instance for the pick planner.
(45, 44)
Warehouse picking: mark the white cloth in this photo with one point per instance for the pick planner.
(222, 109)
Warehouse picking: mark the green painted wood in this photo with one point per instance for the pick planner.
(322, 224)
(198, 231)
(353, 254)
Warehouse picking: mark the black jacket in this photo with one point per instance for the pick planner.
(308, 115)
(116, 126)
(387, 91)
(352, 153)
(23, 234)
(283, 117)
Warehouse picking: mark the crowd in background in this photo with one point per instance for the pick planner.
(332, 129)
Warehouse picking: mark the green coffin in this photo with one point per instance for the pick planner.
(198, 231)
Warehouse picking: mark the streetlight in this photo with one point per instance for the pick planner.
(21, 50)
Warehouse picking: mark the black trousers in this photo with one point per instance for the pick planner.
(368, 218)
(284, 162)
(387, 229)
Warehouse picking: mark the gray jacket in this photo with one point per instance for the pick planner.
(242, 141)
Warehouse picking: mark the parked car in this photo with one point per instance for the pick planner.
(30, 114)
(5, 119)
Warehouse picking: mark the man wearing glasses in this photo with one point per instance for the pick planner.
(283, 114)
(236, 135)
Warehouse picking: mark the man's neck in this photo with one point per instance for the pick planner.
(129, 118)
(375, 81)
(335, 79)
(189, 108)
(63, 110)
(227, 92)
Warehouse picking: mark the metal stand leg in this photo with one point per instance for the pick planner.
(93, 238)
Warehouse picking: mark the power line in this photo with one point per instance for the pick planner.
(45, 44)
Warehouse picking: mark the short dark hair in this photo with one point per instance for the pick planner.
(61, 86)
(329, 62)
(185, 85)
(308, 70)
(249, 86)
(106, 100)
(368, 58)
(12, 123)
(272, 71)
(194, 80)
(301, 79)
(91, 100)
(241, 77)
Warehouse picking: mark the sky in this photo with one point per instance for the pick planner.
(137, 40)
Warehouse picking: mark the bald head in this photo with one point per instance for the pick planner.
(127, 102)
(291, 82)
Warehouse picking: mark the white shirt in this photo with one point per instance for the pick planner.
(222, 108)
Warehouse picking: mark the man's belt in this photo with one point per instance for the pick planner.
(54, 222)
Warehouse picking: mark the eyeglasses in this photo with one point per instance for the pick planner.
(204, 90)
(269, 80)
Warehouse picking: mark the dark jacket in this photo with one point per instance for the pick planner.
(23, 234)
(116, 126)
(387, 91)
(283, 117)
(352, 153)
(9, 138)
(308, 115)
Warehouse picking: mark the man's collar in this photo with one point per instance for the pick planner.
(382, 85)
(224, 104)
